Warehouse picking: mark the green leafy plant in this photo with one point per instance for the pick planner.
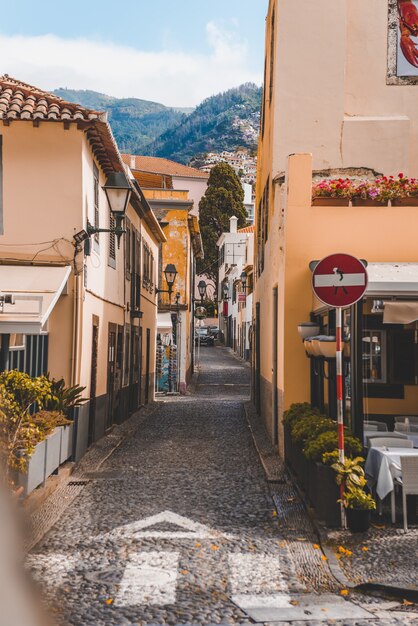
(350, 473)
(357, 498)
(64, 398)
(309, 427)
(298, 410)
(328, 442)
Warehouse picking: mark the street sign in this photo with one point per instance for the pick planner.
(339, 280)
(242, 297)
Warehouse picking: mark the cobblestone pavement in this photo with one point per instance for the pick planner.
(180, 526)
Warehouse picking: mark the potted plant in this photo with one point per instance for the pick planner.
(358, 504)
(332, 192)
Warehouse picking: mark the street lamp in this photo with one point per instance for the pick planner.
(170, 273)
(244, 281)
(225, 291)
(202, 290)
(118, 191)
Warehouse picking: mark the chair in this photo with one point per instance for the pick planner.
(401, 427)
(412, 419)
(390, 436)
(409, 483)
(369, 425)
(390, 442)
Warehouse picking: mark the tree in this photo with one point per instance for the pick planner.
(224, 198)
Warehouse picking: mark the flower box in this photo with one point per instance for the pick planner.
(35, 470)
(66, 448)
(406, 201)
(52, 454)
(368, 202)
(330, 201)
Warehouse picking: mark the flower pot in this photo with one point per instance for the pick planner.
(66, 449)
(53, 445)
(406, 201)
(35, 470)
(330, 201)
(358, 520)
(327, 493)
(368, 202)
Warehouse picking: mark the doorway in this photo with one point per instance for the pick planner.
(93, 378)
(147, 365)
(275, 412)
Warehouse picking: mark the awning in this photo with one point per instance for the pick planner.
(164, 323)
(400, 312)
(33, 292)
(392, 279)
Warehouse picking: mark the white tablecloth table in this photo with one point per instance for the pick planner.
(382, 464)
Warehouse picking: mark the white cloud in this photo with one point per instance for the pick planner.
(173, 78)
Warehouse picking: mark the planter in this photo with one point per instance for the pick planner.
(329, 201)
(52, 455)
(327, 493)
(66, 448)
(407, 201)
(35, 470)
(358, 520)
(368, 202)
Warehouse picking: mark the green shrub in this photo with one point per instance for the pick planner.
(297, 411)
(64, 398)
(309, 427)
(328, 442)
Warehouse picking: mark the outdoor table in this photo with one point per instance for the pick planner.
(382, 464)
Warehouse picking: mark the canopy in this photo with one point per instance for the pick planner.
(33, 291)
(164, 323)
(386, 279)
(400, 312)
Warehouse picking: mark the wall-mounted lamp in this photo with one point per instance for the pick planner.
(202, 290)
(170, 274)
(118, 191)
(225, 291)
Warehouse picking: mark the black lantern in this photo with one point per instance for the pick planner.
(118, 191)
(244, 280)
(202, 289)
(225, 291)
(170, 274)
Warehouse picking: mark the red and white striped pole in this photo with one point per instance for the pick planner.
(340, 410)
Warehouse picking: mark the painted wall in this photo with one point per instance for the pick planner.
(331, 95)
(305, 233)
(196, 189)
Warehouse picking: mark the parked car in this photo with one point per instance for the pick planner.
(214, 331)
(206, 339)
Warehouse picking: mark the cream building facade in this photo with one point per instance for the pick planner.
(337, 102)
(84, 308)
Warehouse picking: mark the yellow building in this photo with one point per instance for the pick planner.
(82, 308)
(350, 115)
(178, 218)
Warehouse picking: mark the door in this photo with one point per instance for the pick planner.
(275, 412)
(111, 374)
(93, 378)
(147, 365)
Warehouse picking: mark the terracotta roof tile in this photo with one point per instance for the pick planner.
(247, 229)
(22, 101)
(158, 165)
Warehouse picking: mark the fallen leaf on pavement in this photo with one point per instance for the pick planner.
(344, 592)
(315, 546)
(407, 603)
(109, 601)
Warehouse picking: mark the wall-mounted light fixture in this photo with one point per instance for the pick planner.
(202, 290)
(118, 191)
(170, 274)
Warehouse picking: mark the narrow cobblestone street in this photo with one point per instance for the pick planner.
(180, 526)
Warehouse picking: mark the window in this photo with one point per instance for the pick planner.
(402, 353)
(374, 356)
(96, 200)
(222, 255)
(262, 226)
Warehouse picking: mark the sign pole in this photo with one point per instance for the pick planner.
(340, 410)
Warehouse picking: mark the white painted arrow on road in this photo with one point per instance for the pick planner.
(190, 529)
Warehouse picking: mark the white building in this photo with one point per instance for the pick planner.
(236, 249)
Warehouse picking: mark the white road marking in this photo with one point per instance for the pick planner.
(149, 578)
(190, 529)
(334, 280)
(248, 601)
(256, 574)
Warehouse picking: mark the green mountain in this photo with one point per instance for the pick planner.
(226, 121)
(135, 123)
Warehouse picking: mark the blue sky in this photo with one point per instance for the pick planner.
(175, 52)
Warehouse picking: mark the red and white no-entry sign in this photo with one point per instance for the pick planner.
(339, 280)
